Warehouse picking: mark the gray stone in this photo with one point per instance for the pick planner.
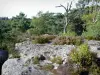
(94, 43)
(24, 65)
(16, 67)
(27, 49)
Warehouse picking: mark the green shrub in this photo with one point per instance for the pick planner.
(76, 40)
(36, 60)
(57, 60)
(94, 70)
(92, 38)
(84, 60)
(82, 54)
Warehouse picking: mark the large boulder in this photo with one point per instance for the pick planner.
(17, 67)
(94, 47)
(93, 43)
(24, 65)
(27, 49)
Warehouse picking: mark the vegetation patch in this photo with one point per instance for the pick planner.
(42, 39)
(35, 60)
(48, 67)
(57, 60)
(85, 60)
(61, 40)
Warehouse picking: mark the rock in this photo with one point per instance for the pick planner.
(56, 66)
(16, 67)
(27, 49)
(12, 67)
(95, 49)
(93, 43)
(63, 70)
(45, 62)
(24, 65)
(98, 48)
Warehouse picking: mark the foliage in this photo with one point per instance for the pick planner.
(84, 59)
(78, 26)
(88, 18)
(82, 54)
(41, 40)
(76, 23)
(61, 40)
(69, 33)
(20, 22)
(57, 60)
(47, 23)
(50, 37)
(36, 60)
(93, 30)
(94, 70)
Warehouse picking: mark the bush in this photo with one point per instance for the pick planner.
(82, 55)
(94, 70)
(57, 60)
(61, 40)
(92, 38)
(41, 40)
(77, 40)
(44, 39)
(85, 60)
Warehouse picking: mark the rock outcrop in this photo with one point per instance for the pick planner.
(24, 65)
(17, 67)
(27, 49)
(95, 47)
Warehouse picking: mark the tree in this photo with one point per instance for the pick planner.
(76, 23)
(92, 5)
(4, 33)
(67, 10)
(38, 24)
(20, 22)
(47, 23)
(93, 30)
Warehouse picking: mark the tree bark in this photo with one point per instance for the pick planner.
(67, 9)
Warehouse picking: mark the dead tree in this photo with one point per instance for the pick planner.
(67, 10)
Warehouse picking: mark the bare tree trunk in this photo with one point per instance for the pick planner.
(67, 9)
(65, 26)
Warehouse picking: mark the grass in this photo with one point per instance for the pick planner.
(35, 60)
(57, 60)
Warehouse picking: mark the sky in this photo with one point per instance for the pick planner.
(9, 8)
